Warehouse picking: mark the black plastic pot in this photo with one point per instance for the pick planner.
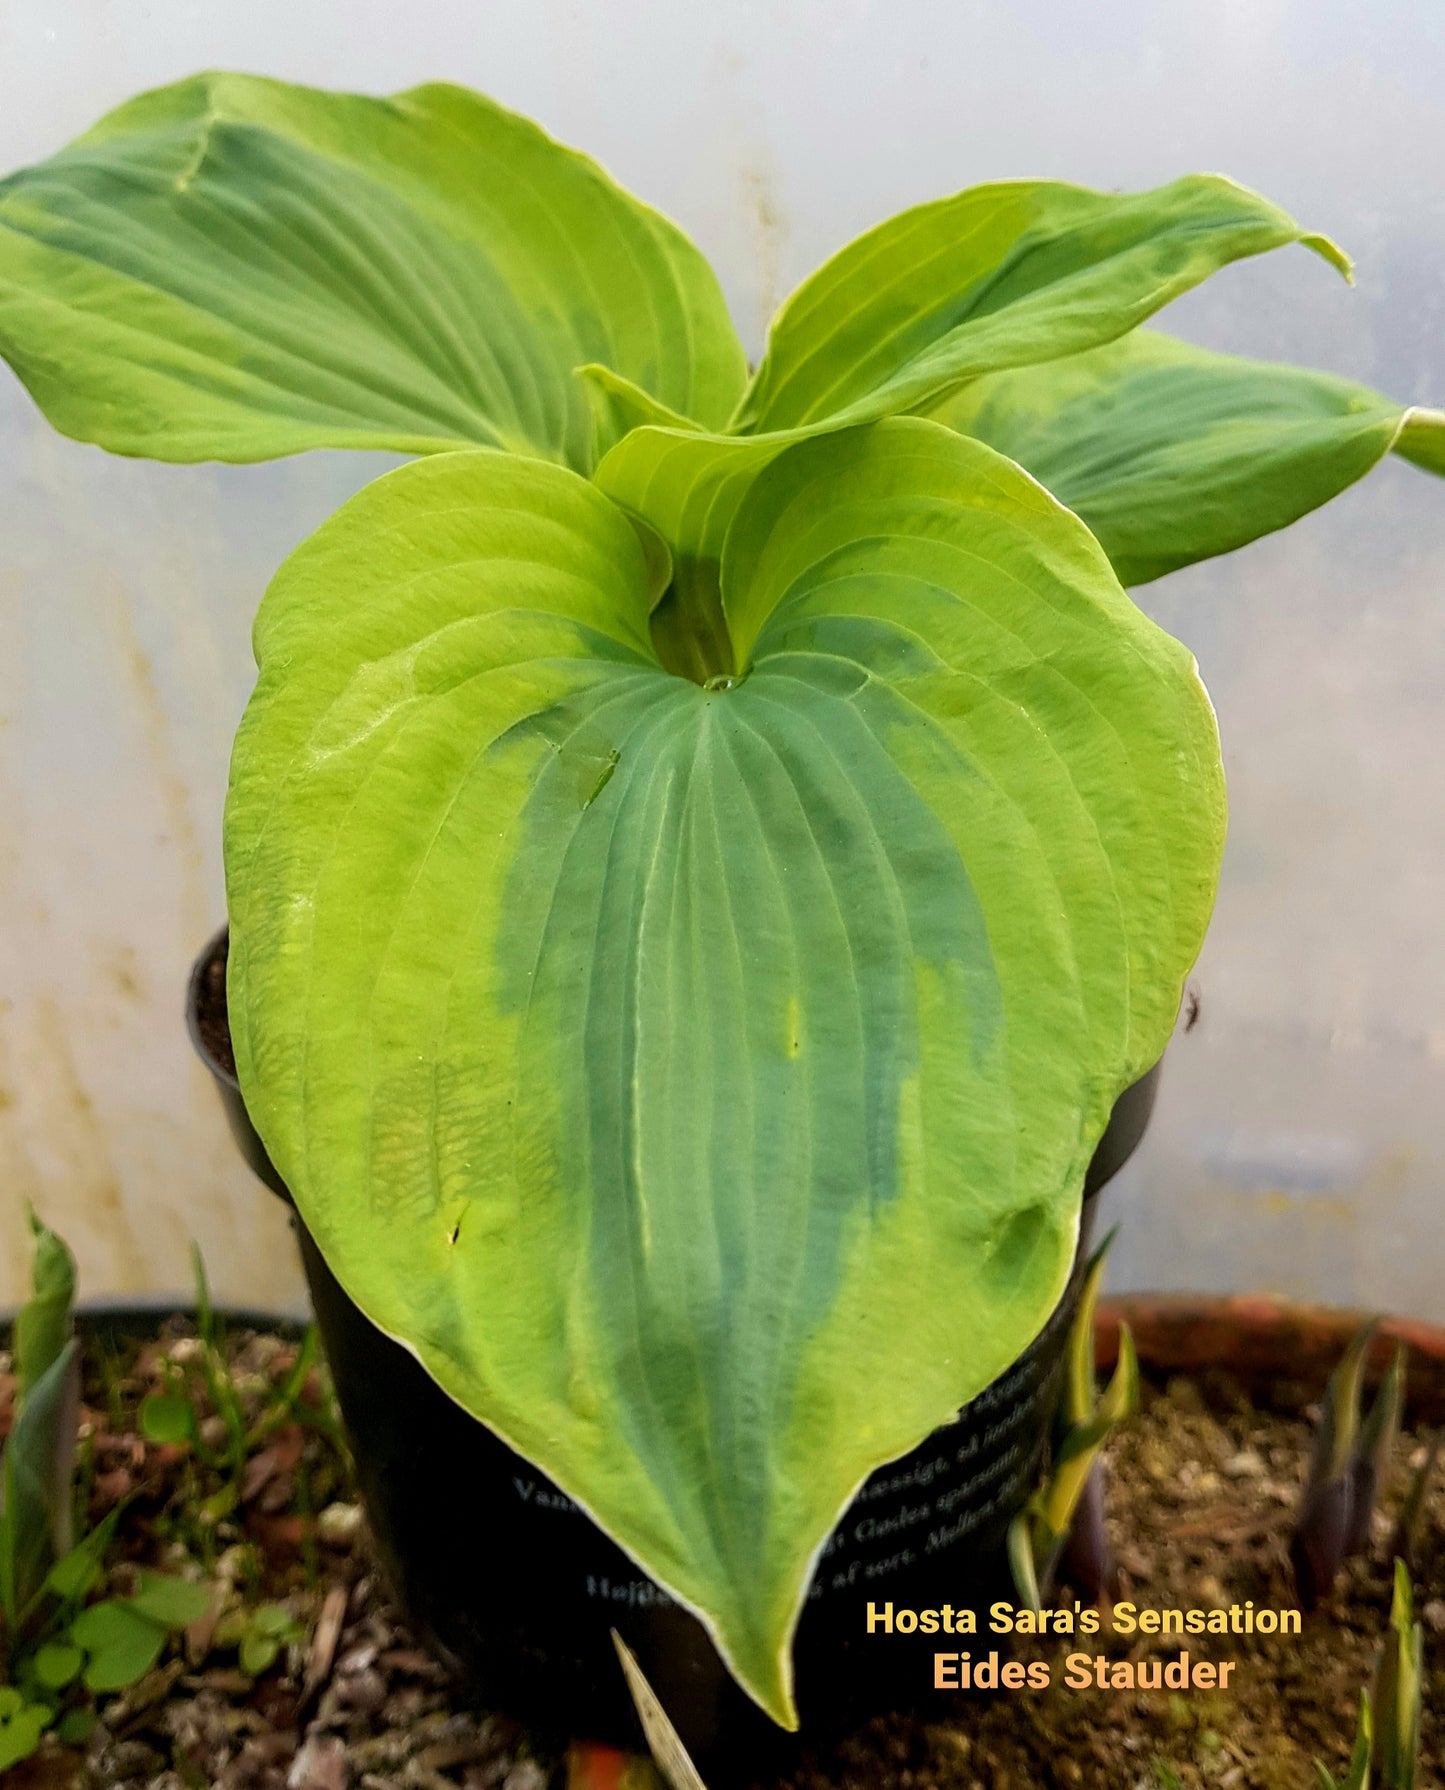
(512, 1579)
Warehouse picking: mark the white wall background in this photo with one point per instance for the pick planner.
(1300, 1143)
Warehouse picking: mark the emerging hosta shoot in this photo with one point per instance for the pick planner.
(37, 1465)
(1347, 1471)
(1398, 1691)
(1357, 1776)
(1387, 1740)
(1065, 1516)
(706, 851)
(57, 1650)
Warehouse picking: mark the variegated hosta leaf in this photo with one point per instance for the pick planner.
(995, 277)
(233, 268)
(701, 1080)
(1172, 454)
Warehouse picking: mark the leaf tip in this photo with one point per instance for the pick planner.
(1329, 250)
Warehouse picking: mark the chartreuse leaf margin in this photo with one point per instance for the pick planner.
(701, 1079)
(233, 268)
(998, 276)
(1173, 454)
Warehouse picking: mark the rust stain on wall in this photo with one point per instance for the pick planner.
(770, 233)
(122, 970)
(1309, 1209)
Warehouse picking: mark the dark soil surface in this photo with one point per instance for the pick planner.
(210, 1009)
(1202, 1491)
(350, 1701)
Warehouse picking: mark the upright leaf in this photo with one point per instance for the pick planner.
(1374, 1446)
(43, 1324)
(1326, 1523)
(38, 1465)
(233, 268)
(997, 276)
(688, 485)
(38, 1458)
(1064, 1518)
(1397, 1694)
(1357, 1774)
(1172, 454)
(701, 1080)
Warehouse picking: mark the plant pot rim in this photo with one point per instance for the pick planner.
(1256, 1337)
(1262, 1340)
(146, 1311)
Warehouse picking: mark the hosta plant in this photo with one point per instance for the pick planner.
(1387, 1738)
(1349, 1468)
(707, 847)
(1062, 1525)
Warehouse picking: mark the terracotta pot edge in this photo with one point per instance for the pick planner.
(1258, 1337)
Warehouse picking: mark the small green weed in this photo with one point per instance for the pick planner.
(59, 1651)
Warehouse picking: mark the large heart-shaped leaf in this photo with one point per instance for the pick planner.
(233, 268)
(1172, 454)
(701, 1079)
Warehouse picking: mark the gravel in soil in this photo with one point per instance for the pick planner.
(348, 1699)
(1201, 1494)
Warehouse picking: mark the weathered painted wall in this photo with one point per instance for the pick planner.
(1300, 1143)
